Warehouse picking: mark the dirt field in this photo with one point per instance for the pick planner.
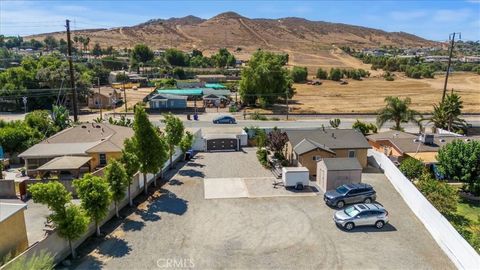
(368, 95)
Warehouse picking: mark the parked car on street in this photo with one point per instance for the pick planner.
(369, 214)
(349, 194)
(225, 119)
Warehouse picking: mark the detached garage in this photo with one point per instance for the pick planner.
(225, 142)
(334, 172)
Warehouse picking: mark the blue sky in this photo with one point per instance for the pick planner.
(429, 19)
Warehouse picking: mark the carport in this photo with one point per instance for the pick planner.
(334, 172)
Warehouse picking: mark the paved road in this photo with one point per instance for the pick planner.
(178, 228)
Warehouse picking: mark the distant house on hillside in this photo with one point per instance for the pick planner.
(212, 78)
(105, 98)
(168, 102)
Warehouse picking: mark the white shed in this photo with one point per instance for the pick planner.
(334, 172)
(291, 176)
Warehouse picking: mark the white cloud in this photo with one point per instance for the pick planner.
(407, 15)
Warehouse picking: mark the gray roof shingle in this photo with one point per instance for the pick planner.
(341, 164)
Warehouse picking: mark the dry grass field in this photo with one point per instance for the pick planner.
(368, 95)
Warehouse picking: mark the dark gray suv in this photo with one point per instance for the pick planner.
(350, 193)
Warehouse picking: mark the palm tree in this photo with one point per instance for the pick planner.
(446, 115)
(397, 111)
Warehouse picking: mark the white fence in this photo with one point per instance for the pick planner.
(59, 248)
(451, 242)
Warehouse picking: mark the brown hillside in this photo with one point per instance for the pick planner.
(308, 39)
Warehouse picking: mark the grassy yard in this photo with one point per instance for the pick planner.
(470, 211)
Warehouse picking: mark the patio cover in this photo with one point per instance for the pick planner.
(64, 163)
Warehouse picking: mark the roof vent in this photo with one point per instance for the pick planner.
(98, 126)
(333, 135)
(83, 126)
(467, 140)
(442, 140)
(416, 140)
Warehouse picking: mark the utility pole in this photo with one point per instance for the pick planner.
(452, 37)
(72, 77)
(286, 102)
(125, 96)
(100, 99)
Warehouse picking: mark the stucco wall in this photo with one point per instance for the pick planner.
(7, 189)
(361, 155)
(306, 160)
(95, 161)
(13, 237)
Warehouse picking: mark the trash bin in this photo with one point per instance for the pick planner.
(188, 117)
(195, 117)
(189, 155)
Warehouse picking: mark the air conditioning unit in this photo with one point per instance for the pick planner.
(426, 138)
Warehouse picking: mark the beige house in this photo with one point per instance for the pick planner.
(13, 230)
(307, 147)
(104, 98)
(76, 150)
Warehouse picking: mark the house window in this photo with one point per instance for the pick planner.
(316, 158)
(352, 153)
(103, 159)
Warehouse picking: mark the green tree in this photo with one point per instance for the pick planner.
(70, 220)
(179, 73)
(398, 111)
(50, 42)
(117, 178)
(223, 58)
(364, 128)
(322, 74)
(186, 142)
(299, 74)
(175, 57)
(141, 53)
(412, 168)
(443, 196)
(446, 115)
(174, 130)
(335, 74)
(95, 196)
(97, 50)
(41, 121)
(150, 147)
(130, 163)
(460, 161)
(18, 136)
(265, 79)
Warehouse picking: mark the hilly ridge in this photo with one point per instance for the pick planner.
(232, 30)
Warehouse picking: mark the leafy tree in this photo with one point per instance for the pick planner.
(223, 58)
(186, 142)
(175, 57)
(260, 138)
(95, 196)
(412, 168)
(35, 44)
(117, 178)
(446, 115)
(276, 141)
(398, 111)
(97, 50)
(440, 194)
(17, 137)
(141, 53)
(335, 74)
(150, 147)
(130, 163)
(70, 220)
(322, 74)
(50, 42)
(299, 74)
(196, 52)
(41, 121)
(364, 128)
(174, 130)
(265, 79)
(179, 73)
(122, 77)
(335, 123)
(460, 161)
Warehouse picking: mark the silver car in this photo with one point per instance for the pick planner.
(365, 214)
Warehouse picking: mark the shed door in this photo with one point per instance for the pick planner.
(222, 144)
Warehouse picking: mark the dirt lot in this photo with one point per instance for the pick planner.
(178, 226)
(368, 95)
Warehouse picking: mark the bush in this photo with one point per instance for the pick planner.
(322, 74)
(257, 116)
(364, 128)
(262, 155)
(440, 194)
(412, 168)
(299, 74)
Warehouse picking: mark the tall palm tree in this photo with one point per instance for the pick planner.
(397, 111)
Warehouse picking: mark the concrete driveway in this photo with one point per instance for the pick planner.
(178, 228)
